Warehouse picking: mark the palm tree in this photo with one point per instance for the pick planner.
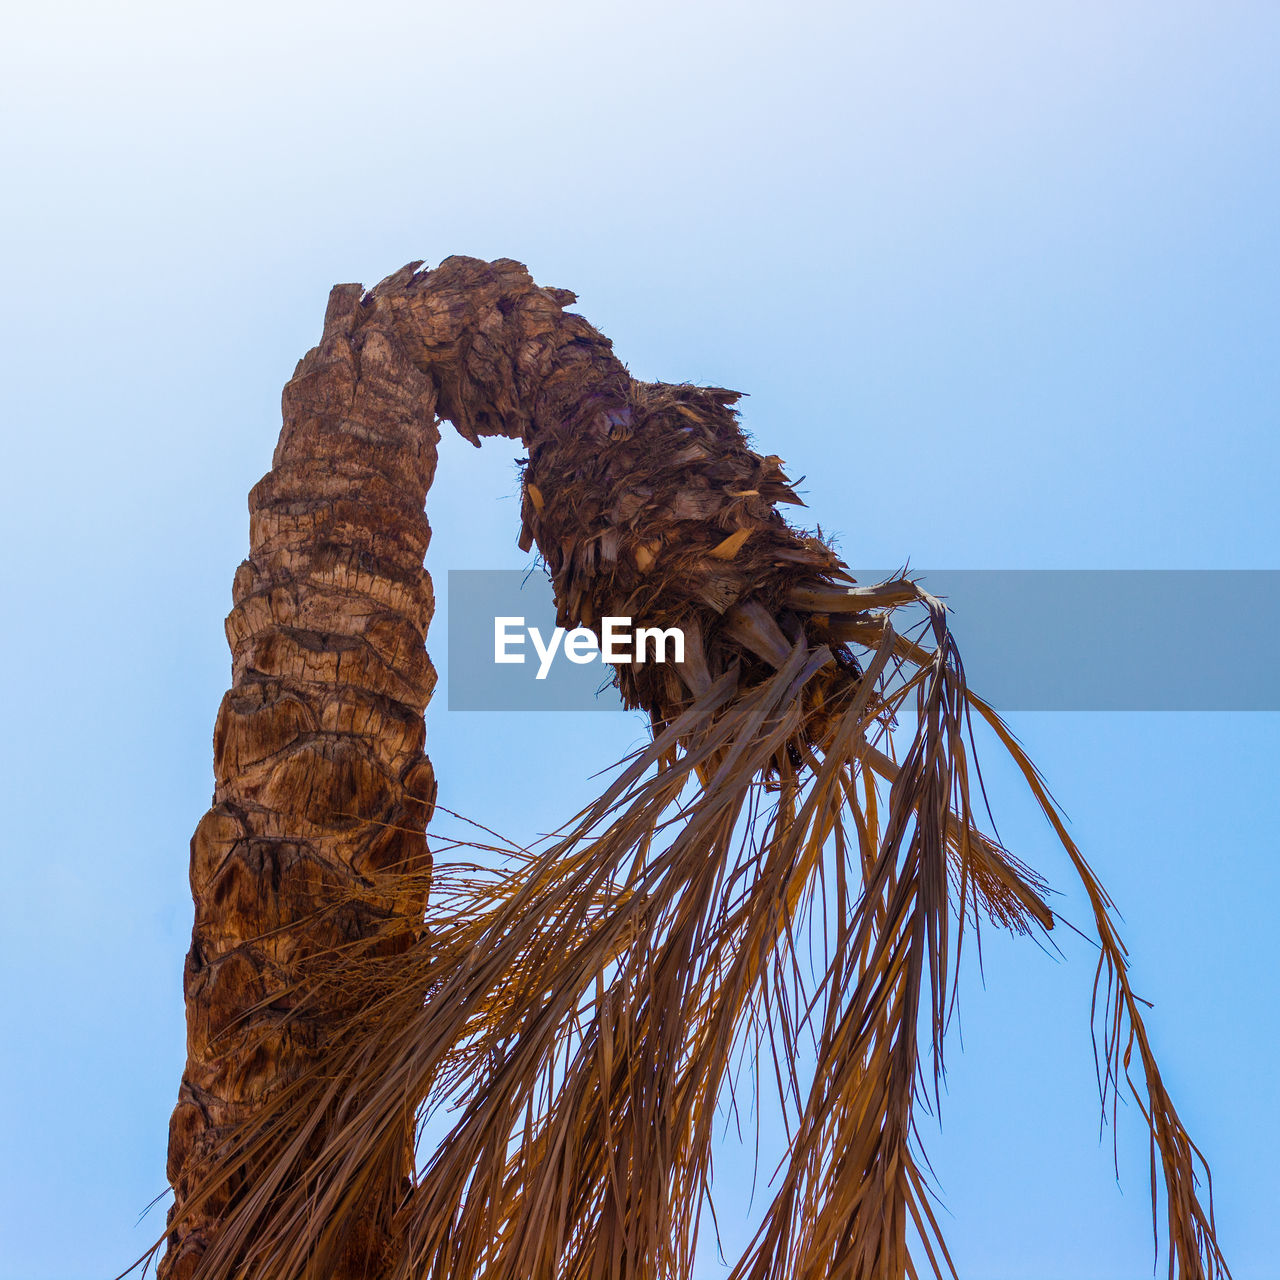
(586, 1005)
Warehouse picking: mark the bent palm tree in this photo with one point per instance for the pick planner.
(586, 1006)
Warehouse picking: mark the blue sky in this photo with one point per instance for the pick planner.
(1001, 281)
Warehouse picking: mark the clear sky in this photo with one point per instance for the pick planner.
(1001, 281)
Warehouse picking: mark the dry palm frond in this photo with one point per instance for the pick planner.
(742, 898)
(581, 1012)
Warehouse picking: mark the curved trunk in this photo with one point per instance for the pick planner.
(642, 498)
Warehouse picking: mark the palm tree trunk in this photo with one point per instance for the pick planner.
(321, 780)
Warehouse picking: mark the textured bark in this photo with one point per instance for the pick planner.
(321, 780)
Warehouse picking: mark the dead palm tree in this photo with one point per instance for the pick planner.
(587, 1005)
